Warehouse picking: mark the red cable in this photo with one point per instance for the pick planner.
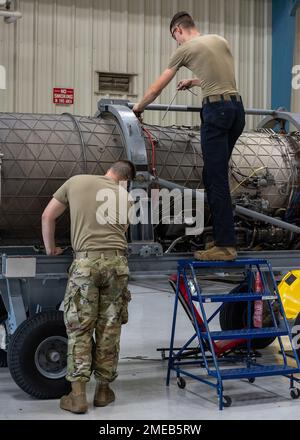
(152, 142)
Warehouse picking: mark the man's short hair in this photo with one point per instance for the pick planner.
(124, 169)
(184, 19)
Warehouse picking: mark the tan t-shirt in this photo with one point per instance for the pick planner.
(210, 60)
(98, 212)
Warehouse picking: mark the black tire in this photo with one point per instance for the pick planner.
(227, 401)
(295, 393)
(233, 316)
(29, 356)
(3, 359)
(181, 382)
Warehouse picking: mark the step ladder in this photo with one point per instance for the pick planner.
(188, 275)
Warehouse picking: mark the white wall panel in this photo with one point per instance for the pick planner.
(232, 24)
(167, 46)
(43, 55)
(65, 66)
(119, 36)
(183, 97)
(100, 45)
(136, 44)
(7, 59)
(216, 17)
(152, 48)
(267, 53)
(62, 43)
(83, 74)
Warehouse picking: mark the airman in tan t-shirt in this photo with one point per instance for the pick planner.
(210, 60)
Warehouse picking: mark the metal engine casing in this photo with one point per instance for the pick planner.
(39, 152)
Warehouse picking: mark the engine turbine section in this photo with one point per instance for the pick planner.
(39, 152)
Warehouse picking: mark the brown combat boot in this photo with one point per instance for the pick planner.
(104, 395)
(217, 253)
(75, 401)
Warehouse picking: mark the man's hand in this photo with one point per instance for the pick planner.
(55, 251)
(185, 84)
(138, 112)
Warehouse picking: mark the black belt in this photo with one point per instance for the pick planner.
(224, 97)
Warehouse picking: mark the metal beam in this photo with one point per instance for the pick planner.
(153, 266)
(57, 267)
(196, 109)
(272, 116)
(271, 119)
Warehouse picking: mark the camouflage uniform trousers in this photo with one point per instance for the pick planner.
(96, 300)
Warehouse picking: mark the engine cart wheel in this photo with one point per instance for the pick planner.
(37, 356)
(295, 393)
(251, 379)
(227, 401)
(181, 382)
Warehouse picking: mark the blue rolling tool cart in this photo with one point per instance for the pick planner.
(209, 342)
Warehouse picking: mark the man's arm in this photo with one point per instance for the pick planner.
(53, 210)
(154, 90)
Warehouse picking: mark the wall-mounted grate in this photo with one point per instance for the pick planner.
(109, 82)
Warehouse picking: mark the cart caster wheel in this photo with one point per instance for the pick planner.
(181, 382)
(251, 379)
(227, 401)
(295, 393)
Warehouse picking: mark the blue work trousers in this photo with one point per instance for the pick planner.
(222, 124)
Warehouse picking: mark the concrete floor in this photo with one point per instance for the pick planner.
(140, 389)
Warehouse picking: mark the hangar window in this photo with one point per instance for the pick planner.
(115, 83)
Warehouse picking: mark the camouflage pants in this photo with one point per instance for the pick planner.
(96, 300)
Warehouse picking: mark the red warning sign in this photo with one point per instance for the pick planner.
(63, 96)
